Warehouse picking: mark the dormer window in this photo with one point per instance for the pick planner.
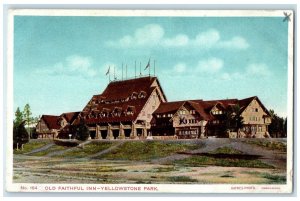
(142, 94)
(130, 110)
(117, 111)
(134, 95)
(105, 112)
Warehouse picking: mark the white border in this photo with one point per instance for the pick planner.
(163, 188)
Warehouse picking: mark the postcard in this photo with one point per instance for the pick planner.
(150, 101)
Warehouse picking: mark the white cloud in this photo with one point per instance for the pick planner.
(179, 40)
(211, 65)
(153, 35)
(180, 68)
(74, 65)
(234, 43)
(231, 76)
(208, 38)
(259, 69)
(148, 35)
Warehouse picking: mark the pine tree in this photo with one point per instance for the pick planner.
(27, 116)
(82, 131)
(277, 128)
(18, 117)
(20, 135)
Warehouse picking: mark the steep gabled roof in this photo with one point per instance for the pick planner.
(51, 121)
(173, 107)
(123, 89)
(70, 116)
(243, 103)
(200, 108)
(124, 94)
(169, 107)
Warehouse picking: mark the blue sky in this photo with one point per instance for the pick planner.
(60, 62)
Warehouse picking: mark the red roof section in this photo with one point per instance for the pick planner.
(169, 107)
(118, 100)
(70, 116)
(123, 89)
(204, 107)
(51, 121)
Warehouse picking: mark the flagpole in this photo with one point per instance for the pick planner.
(149, 67)
(109, 74)
(122, 71)
(114, 73)
(126, 71)
(154, 68)
(134, 69)
(140, 68)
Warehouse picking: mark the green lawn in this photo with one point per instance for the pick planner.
(146, 150)
(279, 146)
(88, 150)
(32, 145)
(47, 151)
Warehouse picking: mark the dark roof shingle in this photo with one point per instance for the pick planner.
(51, 121)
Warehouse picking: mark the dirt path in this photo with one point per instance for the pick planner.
(43, 148)
(55, 153)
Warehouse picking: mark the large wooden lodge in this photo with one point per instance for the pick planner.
(138, 109)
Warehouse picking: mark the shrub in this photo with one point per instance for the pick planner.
(82, 131)
(20, 135)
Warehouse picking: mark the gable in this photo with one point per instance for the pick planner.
(254, 106)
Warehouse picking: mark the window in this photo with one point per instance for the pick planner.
(181, 111)
(259, 129)
(192, 112)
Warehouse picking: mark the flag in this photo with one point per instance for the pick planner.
(108, 71)
(148, 65)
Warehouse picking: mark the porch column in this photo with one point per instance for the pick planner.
(202, 128)
(109, 132)
(98, 132)
(133, 131)
(145, 132)
(122, 134)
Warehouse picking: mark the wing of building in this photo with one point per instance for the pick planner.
(199, 118)
(50, 126)
(137, 108)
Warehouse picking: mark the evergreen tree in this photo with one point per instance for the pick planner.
(27, 116)
(18, 117)
(82, 131)
(277, 128)
(20, 135)
(233, 121)
(285, 128)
